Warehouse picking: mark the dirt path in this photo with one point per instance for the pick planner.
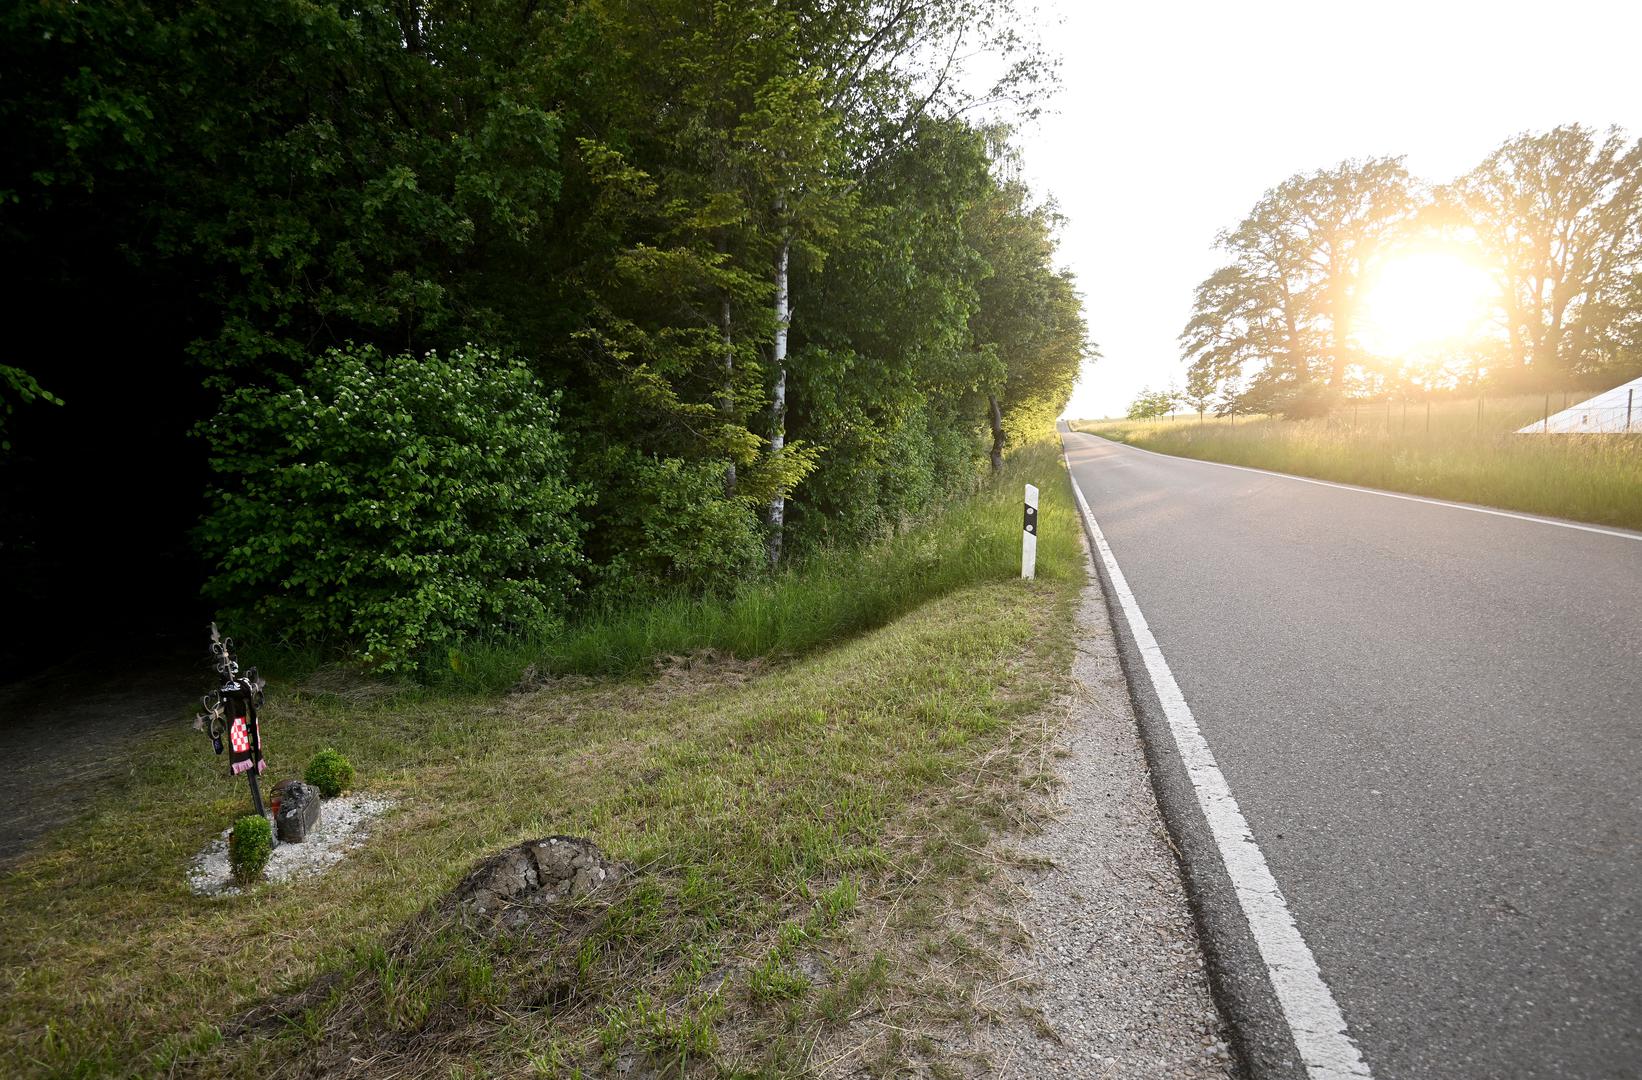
(66, 732)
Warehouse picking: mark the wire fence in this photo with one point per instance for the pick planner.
(1617, 411)
(1603, 414)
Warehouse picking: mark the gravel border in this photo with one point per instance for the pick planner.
(344, 824)
(1114, 984)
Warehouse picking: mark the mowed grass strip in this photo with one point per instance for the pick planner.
(757, 807)
(1594, 478)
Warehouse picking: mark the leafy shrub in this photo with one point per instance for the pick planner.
(249, 845)
(330, 772)
(667, 523)
(883, 472)
(395, 504)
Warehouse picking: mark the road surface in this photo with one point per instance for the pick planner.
(1432, 721)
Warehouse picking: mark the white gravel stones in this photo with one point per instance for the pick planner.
(343, 824)
(1115, 972)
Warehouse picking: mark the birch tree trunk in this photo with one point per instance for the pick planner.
(726, 403)
(778, 399)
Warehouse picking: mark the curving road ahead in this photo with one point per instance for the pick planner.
(1431, 718)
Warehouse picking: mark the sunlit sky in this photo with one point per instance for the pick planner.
(1172, 119)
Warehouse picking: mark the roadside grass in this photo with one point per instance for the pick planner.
(761, 807)
(1451, 455)
(825, 597)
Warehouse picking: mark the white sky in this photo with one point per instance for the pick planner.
(1173, 118)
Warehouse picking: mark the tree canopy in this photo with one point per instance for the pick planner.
(780, 289)
(1555, 218)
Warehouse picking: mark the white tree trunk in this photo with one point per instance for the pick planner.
(778, 400)
(726, 403)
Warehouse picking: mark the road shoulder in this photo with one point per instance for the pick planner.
(1238, 976)
(1116, 969)
(1079, 956)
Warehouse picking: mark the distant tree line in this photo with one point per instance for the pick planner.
(1556, 218)
(698, 284)
(1152, 404)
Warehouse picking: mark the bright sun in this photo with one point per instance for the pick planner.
(1422, 301)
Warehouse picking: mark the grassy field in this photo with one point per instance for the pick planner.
(771, 807)
(1446, 450)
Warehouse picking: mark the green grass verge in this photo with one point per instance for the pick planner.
(1450, 455)
(759, 805)
(827, 596)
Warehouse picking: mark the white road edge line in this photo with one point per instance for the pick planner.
(1623, 534)
(1308, 1005)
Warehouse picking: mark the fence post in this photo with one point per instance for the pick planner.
(1479, 412)
(1630, 399)
(1428, 412)
(1547, 412)
(1029, 534)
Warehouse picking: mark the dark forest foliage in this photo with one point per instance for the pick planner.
(764, 277)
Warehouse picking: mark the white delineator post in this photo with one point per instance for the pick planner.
(1029, 535)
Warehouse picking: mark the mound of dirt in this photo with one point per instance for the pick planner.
(531, 888)
(537, 873)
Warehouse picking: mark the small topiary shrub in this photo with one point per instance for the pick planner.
(330, 772)
(249, 846)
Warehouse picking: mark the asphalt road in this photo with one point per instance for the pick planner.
(1432, 720)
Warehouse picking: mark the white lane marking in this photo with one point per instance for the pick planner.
(1314, 1018)
(1623, 534)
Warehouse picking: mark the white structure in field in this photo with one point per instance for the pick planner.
(1610, 412)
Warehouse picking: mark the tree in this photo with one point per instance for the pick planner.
(1344, 214)
(1029, 321)
(1200, 390)
(884, 372)
(1284, 303)
(1152, 404)
(18, 387)
(1561, 216)
(738, 244)
(1249, 313)
(875, 72)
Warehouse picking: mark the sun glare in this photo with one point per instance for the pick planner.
(1422, 301)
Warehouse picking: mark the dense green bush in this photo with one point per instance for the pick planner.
(249, 845)
(330, 772)
(388, 504)
(669, 525)
(885, 468)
